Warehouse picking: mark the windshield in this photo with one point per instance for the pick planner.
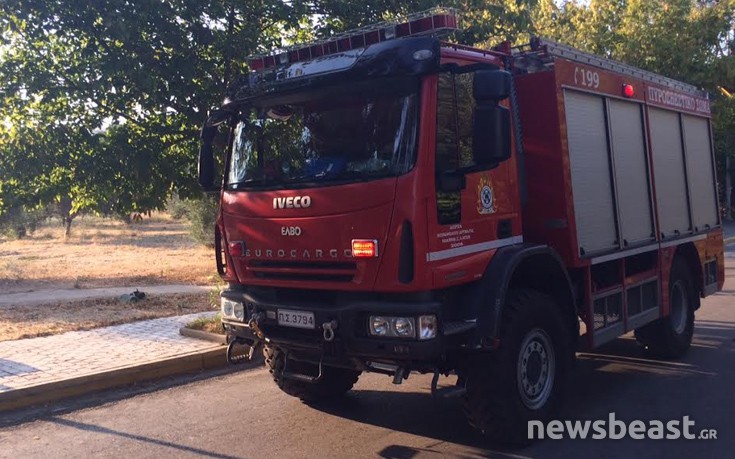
(353, 133)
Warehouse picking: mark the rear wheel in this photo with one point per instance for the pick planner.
(334, 382)
(671, 336)
(524, 378)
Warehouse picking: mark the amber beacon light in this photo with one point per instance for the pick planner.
(364, 248)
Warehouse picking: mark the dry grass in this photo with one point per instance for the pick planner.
(17, 322)
(104, 252)
(208, 324)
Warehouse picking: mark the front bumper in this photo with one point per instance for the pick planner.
(352, 344)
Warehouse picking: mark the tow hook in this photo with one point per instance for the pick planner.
(329, 328)
(254, 324)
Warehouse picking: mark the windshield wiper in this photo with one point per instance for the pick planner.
(351, 174)
(262, 181)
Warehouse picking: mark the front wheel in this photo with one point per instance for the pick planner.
(524, 379)
(671, 336)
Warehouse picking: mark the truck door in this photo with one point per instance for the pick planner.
(482, 212)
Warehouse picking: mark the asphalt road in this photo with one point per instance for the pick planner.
(243, 414)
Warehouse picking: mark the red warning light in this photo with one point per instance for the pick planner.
(628, 90)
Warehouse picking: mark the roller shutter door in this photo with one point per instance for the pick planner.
(590, 168)
(700, 172)
(631, 171)
(668, 172)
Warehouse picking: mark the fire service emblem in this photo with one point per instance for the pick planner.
(485, 196)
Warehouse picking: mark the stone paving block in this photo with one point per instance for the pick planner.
(69, 355)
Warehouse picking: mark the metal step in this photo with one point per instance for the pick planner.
(300, 376)
(457, 390)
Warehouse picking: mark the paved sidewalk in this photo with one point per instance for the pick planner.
(42, 362)
(53, 295)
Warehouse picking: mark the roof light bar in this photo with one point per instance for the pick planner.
(434, 21)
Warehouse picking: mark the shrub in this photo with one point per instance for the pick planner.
(17, 222)
(202, 214)
(176, 207)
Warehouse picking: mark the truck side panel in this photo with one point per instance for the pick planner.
(548, 211)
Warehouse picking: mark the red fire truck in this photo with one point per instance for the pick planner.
(392, 203)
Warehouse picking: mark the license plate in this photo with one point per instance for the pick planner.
(298, 319)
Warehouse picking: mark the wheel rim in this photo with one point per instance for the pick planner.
(679, 307)
(536, 369)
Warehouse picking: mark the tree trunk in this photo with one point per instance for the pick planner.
(67, 226)
(65, 206)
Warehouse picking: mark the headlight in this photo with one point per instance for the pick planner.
(427, 327)
(228, 308)
(403, 326)
(379, 326)
(392, 327)
(239, 311)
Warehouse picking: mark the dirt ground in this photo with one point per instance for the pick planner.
(29, 321)
(103, 252)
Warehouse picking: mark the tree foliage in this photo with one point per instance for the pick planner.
(101, 100)
(689, 40)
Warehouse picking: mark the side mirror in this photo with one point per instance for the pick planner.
(217, 117)
(207, 168)
(206, 158)
(491, 86)
(491, 135)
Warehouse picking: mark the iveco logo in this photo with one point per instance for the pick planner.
(292, 202)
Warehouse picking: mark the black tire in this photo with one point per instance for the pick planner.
(334, 382)
(496, 403)
(671, 336)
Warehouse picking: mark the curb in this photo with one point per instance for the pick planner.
(119, 377)
(203, 335)
(729, 240)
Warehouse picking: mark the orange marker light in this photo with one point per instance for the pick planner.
(236, 248)
(364, 248)
(628, 90)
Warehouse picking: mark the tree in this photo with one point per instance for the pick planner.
(102, 101)
(483, 22)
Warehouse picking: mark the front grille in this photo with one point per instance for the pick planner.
(303, 264)
(303, 270)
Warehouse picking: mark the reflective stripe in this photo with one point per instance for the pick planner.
(698, 237)
(474, 248)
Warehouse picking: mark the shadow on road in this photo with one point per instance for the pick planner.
(618, 378)
(104, 430)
